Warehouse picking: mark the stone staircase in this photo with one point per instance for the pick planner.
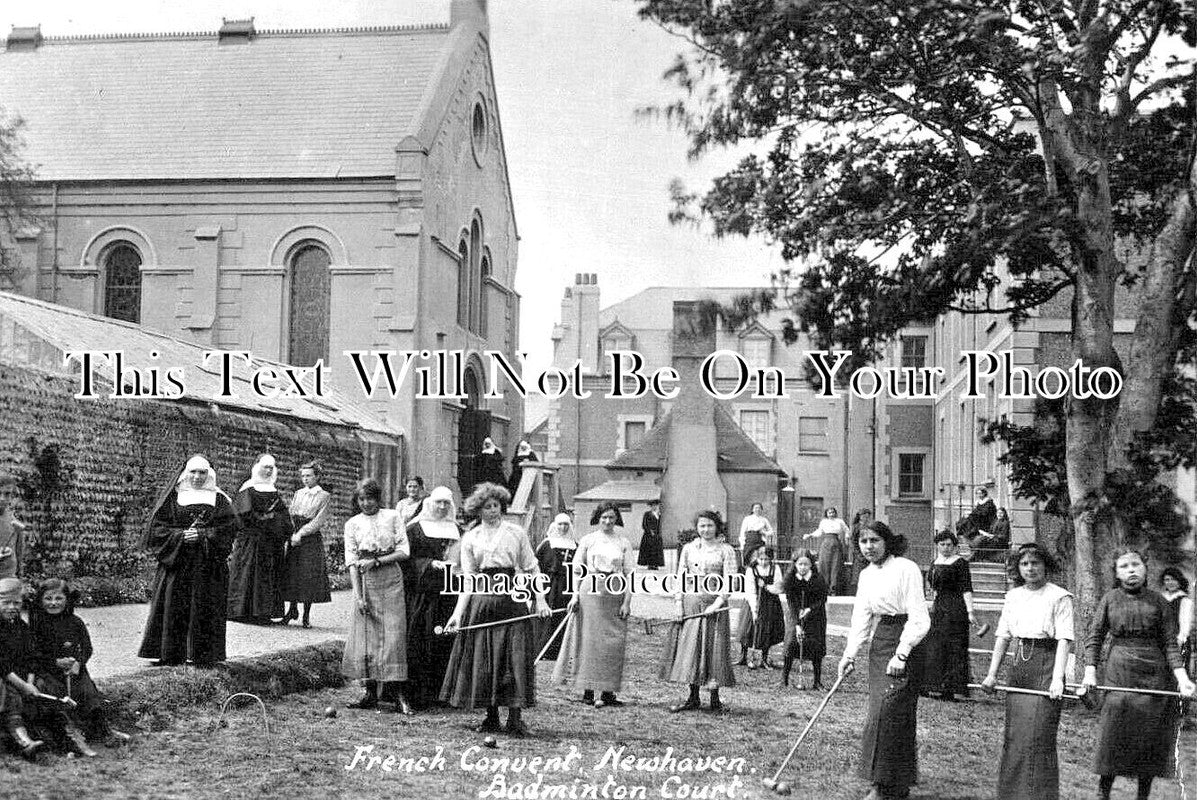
(989, 583)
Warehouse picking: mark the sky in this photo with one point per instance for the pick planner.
(590, 178)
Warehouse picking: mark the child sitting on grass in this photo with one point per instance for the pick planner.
(62, 639)
(20, 664)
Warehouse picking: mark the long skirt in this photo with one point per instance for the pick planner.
(699, 650)
(1029, 768)
(652, 550)
(428, 653)
(306, 578)
(769, 627)
(595, 642)
(492, 666)
(946, 667)
(1137, 734)
(889, 752)
(256, 576)
(376, 648)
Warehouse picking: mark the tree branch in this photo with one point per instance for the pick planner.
(1017, 307)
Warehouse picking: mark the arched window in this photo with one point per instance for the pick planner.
(476, 288)
(482, 326)
(310, 300)
(122, 282)
(463, 283)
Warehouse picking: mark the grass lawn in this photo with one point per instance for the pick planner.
(306, 755)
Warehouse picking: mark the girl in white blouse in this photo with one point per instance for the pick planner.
(596, 636)
(1037, 620)
(890, 608)
(493, 666)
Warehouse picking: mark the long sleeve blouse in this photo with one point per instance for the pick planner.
(380, 533)
(1043, 613)
(890, 588)
(312, 504)
(1140, 615)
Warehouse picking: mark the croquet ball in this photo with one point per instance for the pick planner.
(490, 741)
(768, 783)
(782, 787)
(70, 755)
(330, 712)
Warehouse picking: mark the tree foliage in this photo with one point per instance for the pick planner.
(976, 156)
(16, 212)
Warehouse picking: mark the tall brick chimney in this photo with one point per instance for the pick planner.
(469, 12)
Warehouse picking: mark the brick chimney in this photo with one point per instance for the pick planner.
(691, 481)
(577, 335)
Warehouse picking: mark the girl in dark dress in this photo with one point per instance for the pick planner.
(768, 622)
(805, 596)
(62, 639)
(190, 531)
(1175, 589)
(652, 546)
(1137, 733)
(555, 555)
(946, 645)
(490, 464)
(434, 539)
(256, 565)
(306, 573)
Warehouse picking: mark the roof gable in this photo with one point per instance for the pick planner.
(736, 451)
(285, 104)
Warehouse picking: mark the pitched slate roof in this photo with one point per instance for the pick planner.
(36, 334)
(736, 451)
(286, 104)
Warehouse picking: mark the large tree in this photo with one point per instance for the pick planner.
(16, 214)
(977, 156)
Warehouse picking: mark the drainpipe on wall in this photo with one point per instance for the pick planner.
(54, 254)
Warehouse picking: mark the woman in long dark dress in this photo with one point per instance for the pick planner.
(190, 532)
(1175, 589)
(434, 539)
(490, 464)
(890, 608)
(1038, 616)
(555, 555)
(946, 669)
(256, 565)
(523, 452)
(306, 571)
(1137, 733)
(768, 620)
(493, 666)
(652, 546)
(804, 595)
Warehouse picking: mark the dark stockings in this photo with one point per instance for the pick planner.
(1106, 784)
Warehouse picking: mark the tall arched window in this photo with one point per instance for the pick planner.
(310, 301)
(476, 288)
(122, 282)
(482, 325)
(463, 283)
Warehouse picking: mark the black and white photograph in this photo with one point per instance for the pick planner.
(598, 399)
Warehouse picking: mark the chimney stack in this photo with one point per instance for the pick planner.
(472, 12)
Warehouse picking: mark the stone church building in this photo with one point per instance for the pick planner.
(295, 193)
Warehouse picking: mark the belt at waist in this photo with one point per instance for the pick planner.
(373, 553)
(1025, 642)
(497, 570)
(1152, 641)
(893, 619)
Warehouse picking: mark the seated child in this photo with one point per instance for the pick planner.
(21, 664)
(61, 639)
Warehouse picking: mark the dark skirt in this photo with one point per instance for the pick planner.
(545, 628)
(492, 666)
(652, 550)
(769, 627)
(812, 645)
(1030, 769)
(186, 619)
(427, 653)
(1137, 733)
(255, 575)
(946, 668)
(889, 751)
(699, 650)
(306, 576)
